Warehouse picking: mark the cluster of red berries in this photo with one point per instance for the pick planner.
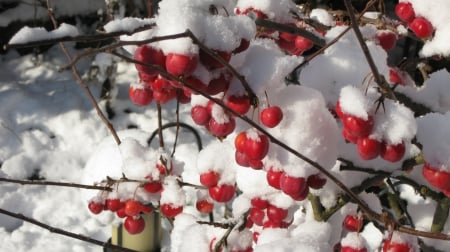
(262, 213)
(218, 192)
(132, 209)
(420, 26)
(296, 187)
(357, 130)
(288, 42)
(154, 86)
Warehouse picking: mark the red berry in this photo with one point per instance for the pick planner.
(316, 181)
(221, 129)
(242, 46)
(303, 43)
(160, 83)
(222, 193)
(394, 77)
(351, 249)
(114, 204)
(302, 195)
(153, 187)
(286, 35)
(288, 46)
(358, 126)
(134, 225)
(218, 85)
(368, 148)
(164, 95)
(352, 223)
(195, 83)
(396, 247)
(241, 159)
(259, 203)
(181, 64)
(273, 178)
(436, 177)
(392, 153)
(95, 207)
(169, 210)
(257, 216)
(338, 110)
(255, 164)
(240, 104)
(387, 40)
(271, 116)
(150, 56)
(292, 185)
(204, 206)
(257, 149)
(255, 237)
(421, 27)
(121, 212)
(276, 214)
(405, 11)
(211, 63)
(349, 137)
(271, 224)
(132, 207)
(140, 96)
(239, 141)
(200, 115)
(209, 178)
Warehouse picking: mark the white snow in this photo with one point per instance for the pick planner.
(28, 34)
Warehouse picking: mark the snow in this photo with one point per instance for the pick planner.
(27, 34)
(127, 24)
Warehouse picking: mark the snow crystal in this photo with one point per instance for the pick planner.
(172, 193)
(27, 34)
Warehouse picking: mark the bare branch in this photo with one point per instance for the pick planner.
(54, 183)
(64, 232)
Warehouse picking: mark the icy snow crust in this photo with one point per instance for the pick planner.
(27, 34)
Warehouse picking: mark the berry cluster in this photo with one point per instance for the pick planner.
(296, 187)
(262, 213)
(358, 130)
(420, 26)
(155, 187)
(290, 43)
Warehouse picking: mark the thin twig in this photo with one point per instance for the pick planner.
(64, 232)
(82, 83)
(54, 183)
(160, 129)
(333, 41)
(379, 79)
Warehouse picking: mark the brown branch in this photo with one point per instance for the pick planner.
(82, 83)
(64, 232)
(54, 183)
(160, 129)
(379, 79)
